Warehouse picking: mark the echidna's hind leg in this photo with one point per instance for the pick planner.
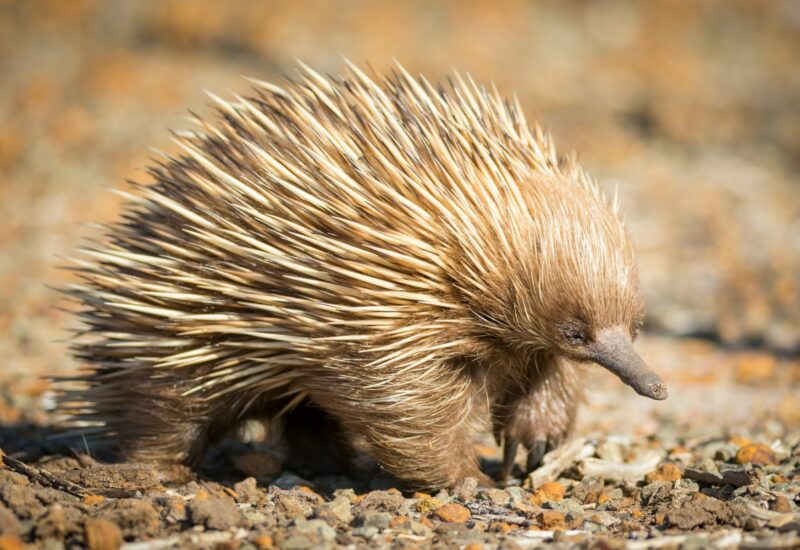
(154, 423)
(540, 415)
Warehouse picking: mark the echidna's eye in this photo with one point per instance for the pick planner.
(576, 336)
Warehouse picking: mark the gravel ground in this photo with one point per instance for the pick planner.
(716, 465)
(690, 109)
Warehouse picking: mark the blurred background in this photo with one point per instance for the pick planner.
(691, 108)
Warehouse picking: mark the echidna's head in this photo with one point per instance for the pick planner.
(569, 284)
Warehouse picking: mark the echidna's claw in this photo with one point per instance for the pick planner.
(535, 454)
(509, 458)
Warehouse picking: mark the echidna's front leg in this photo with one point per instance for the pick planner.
(418, 427)
(538, 415)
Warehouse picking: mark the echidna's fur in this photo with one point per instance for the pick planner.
(404, 257)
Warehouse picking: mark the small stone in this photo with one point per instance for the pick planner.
(658, 491)
(421, 528)
(316, 527)
(383, 501)
(335, 512)
(497, 496)
(739, 441)
(297, 542)
(755, 453)
(295, 502)
(102, 534)
(551, 490)
(215, 513)
(246, 491)
(365, 532)
(551, 519)
(135, 518)
(453, 512)
(499, 527)
(588, 490)
(372, 518)
(10, 542)
(569, 506)
(92, 500)
(400, 522)
(781, 504)
(610, 451)
(348, 493)
(708, 465)
(58, 522)
(725, 452)
(466, 490)
(593, 526)
(687, 485)
(518, 494)
(426, 503)
(9, 524)
(667, 472)
(263, 542)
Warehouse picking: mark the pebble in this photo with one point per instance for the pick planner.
(755, 453)
(497, 496)
(726, 452)
(247, 491)
(92, 500)
(420, 529)
(687, 485)
(366, 532)
(453, 513)
(781, 504)
(551, 490)
(298, 542)
(9, 524)
(466, 490)
(588, 490)
(315, 527)
(426, 503)
(656, 492)
(102, 534)
(569, 506)
(136, 518)
(335, 512)
(11, 542)
(384, 501)
(296, 502)
(215, 513)
(263, 542)
(518, 494)
(667, 472)
(372, 518)
(551, 519)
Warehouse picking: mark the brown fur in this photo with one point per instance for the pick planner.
(403, 257)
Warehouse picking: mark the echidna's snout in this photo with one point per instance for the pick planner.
(613, 349)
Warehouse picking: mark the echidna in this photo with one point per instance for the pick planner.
(407, 259)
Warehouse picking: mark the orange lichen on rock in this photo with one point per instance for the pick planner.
(756, 453)
(453, 513)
